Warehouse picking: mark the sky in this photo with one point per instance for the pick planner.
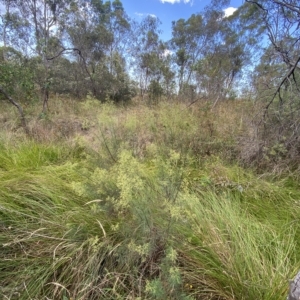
(169, 10)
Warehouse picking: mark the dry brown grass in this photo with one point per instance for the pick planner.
(229, 129)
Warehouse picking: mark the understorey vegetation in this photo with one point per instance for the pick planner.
(137, 168)
(128, 203)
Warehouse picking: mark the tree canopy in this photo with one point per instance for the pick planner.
(92, 47)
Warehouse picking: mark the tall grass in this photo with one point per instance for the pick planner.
(229, 254)
(142, 203)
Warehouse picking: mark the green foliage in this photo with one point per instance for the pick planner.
(15, 76)
(142, 215)
(155, 91)
(148, 202)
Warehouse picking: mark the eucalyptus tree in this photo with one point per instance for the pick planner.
(227, 56)
(15, 30)
(277, 77)
(207, 52)
(86, 30)
(120, 25)
(280, 20)
(151, 60)
(100, 31)
(33, 26)
(16, 82)
(189, 42)
(168, 82)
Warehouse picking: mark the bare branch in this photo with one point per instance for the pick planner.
(19, 107)
(62, 52)
(258, 4)
(82, 58)
(288, 5)
(285, 78)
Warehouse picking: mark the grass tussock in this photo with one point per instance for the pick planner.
(141, 203)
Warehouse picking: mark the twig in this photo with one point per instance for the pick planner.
(19, 107)
(285, 78)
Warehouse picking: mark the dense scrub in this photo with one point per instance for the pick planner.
(107, 202)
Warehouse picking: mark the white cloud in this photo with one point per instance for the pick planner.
(177, 1)
(229, 11)
(169, 1)
(141, 15)
(167, 52)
